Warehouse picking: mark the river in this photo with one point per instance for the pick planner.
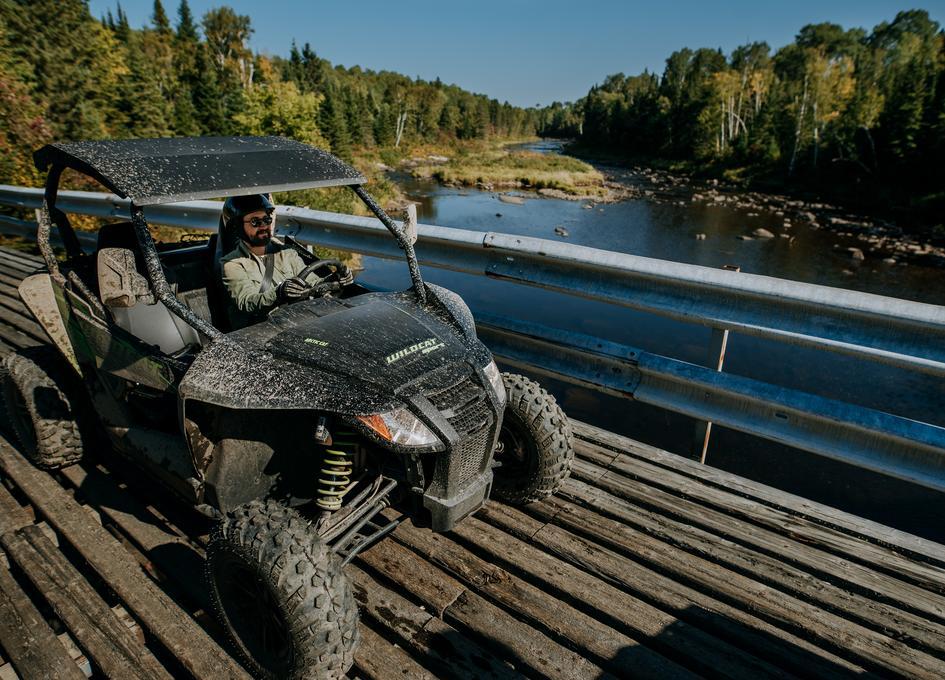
(667, 230)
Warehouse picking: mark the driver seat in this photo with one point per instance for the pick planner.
(222, 243)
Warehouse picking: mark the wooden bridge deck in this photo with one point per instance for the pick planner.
(646, 564)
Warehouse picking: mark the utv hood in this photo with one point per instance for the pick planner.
(355, 356)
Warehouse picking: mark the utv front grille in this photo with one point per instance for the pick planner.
(466, 406)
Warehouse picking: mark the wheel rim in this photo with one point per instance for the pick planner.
(514, 449)
(250, 607)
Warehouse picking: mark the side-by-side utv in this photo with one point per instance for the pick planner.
(294, 433)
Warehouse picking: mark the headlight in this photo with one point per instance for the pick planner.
(495, 379)
(400, 427)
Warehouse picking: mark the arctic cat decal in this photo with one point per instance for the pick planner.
(426, 346)
(316, 341)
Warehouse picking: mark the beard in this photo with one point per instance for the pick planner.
(261, 238)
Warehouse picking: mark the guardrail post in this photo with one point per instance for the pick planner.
(717, 344)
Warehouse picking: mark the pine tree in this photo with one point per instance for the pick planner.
(207, 96)
(160, 21)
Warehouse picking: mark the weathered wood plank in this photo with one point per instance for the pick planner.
(609, 648)
(32, 646)
(161, 616)
(927, 576)
(844, 638)
(867, 646)
(873, 531)
(445, 650)
(112, 646)
(780, 545)
(31, 257)
(378, 659)
(589, 522)
(776, 651)
(469, 611)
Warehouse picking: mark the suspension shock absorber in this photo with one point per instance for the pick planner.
(334, 479)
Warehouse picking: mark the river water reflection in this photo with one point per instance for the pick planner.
(667, 230)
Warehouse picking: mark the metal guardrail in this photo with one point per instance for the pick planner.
(908, 335)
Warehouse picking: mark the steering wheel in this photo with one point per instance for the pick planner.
(322, 285)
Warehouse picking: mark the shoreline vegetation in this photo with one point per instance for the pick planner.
(495, 166)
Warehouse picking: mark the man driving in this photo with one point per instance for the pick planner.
(261, 272)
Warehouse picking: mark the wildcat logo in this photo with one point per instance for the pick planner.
(425, 347)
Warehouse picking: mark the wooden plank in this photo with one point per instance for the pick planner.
(877, 615)
(674, 638)
(445, 650)
(610, 649)
(780, 545)
(112, 646)
(158, 613)
(178, 558)
(9, 263)
(776, 651)
(824, 514)
(839, 542)
(469, 611)
(844, 638)
(22, 254)
(378, 659)
(426, 583)
(33, 648)
(872, 647)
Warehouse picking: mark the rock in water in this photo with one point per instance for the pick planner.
(561, 231)
(855, 254)
(700, 237)
(762, 233)
(514, 200)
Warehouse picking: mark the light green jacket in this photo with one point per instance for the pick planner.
(243, 275)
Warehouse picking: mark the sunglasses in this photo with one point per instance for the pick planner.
(257, 222)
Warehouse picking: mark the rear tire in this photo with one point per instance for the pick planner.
(535, 444)
(281, 595)
(36, 388)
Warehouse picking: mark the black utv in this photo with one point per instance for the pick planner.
(294, 433)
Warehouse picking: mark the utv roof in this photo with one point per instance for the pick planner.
(150, 171)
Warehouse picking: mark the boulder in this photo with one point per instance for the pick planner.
(762, 233)
(700, 237)
(856, 254)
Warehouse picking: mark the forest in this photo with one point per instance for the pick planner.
(66, 75)
(854, 113)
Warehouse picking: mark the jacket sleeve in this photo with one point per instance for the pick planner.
(243, 289)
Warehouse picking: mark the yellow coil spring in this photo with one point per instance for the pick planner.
(334, 480)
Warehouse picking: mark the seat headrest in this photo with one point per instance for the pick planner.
(228, 240)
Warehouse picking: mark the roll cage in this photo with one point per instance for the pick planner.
(155, 171)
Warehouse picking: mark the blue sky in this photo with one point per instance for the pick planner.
(526, 52)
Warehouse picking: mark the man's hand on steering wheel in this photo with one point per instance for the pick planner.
(292, 289)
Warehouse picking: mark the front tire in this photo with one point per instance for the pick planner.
(36, 390)
(535, 444)
(281, 595)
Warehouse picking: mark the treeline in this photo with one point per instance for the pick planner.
(836, 105)
(66, 75)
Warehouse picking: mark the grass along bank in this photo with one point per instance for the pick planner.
(495, 166)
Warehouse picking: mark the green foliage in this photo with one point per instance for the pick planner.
(835, 106)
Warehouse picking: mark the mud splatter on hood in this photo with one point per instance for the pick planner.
(355, 356)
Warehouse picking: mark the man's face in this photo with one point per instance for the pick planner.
(260, 234)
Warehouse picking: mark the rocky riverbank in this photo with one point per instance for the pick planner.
(877, 239)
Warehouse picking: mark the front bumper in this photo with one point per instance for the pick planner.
(448, 512)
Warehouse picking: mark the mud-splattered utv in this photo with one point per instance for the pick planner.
(294, 432)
